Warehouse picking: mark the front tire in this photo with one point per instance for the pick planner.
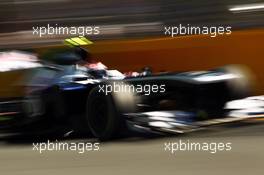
(103, 117)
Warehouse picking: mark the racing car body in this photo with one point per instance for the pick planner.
(101, 101)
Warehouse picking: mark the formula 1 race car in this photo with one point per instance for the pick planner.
(90, 98)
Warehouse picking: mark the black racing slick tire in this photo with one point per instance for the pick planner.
(103, 116)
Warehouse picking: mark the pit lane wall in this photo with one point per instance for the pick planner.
(185, 53)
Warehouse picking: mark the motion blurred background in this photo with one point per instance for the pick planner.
(121, 19)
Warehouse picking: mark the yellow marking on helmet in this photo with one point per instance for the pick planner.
(69, 41)
(88, 42)
(78, 41)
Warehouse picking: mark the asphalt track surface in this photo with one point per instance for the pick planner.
(143, 154)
